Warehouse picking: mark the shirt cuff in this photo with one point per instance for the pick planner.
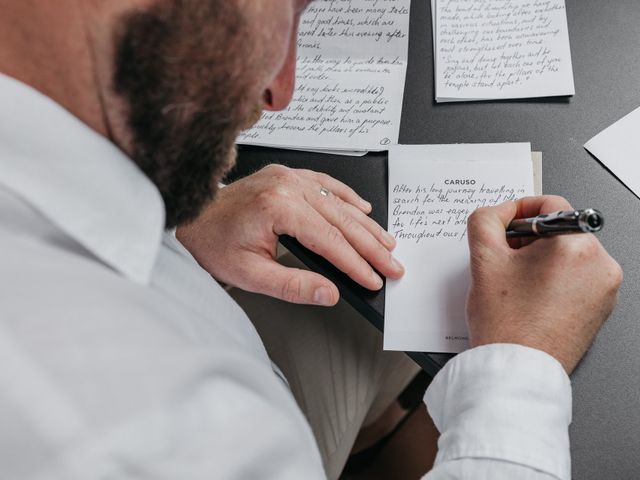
(504, 402)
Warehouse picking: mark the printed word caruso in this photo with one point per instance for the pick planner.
(459, 182)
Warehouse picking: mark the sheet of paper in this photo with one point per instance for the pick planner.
(352, 64)
(618, 148)
(348, 153)
(498, 49)
(432, 191)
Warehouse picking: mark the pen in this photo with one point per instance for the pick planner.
(569, 221)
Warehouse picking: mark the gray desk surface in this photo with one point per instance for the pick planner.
(605, 44)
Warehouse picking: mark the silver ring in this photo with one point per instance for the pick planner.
(324, 192)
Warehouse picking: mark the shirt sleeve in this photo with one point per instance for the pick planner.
(503, 412)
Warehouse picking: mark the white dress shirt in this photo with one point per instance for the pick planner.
(120, 358)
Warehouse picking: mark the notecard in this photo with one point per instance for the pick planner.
(500, 49)
(432, 191)
(618, 148)
(350, 78)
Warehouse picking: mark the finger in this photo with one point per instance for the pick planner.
(487, 226)
(373, 227)
(357, 228)
(333, 203)
(341, 190)
(533, 206)
(314, 232)
(292, 285)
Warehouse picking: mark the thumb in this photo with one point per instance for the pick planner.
(292, 285)
(488, 225)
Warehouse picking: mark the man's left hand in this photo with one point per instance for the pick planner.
(235, 239)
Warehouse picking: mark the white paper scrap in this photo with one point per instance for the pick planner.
(618, 148)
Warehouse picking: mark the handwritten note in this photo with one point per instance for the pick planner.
(497, 49)
(432, 191)
(352, 65)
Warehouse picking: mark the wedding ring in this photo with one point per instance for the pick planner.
(324, 192)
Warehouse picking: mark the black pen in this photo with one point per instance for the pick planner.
(569, 221)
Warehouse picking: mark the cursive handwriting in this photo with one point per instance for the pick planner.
(350, 78)
(439, 210)
(500, 46)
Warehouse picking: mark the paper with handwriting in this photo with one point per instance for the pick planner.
(351, 69)
(432, 191)
(500, 49)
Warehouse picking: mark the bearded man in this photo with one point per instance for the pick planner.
(123, 358)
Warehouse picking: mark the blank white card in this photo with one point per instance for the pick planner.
(618, 148)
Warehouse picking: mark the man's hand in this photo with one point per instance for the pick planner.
(552, 294)
(235, 239)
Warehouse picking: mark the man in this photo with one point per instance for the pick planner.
(122, 358)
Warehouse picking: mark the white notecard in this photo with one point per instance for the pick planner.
(432, 191)
(618, 148)
(500, 49)
(350, 78)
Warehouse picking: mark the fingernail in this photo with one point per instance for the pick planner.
(397, 265)
(376, 278)
(366, 205)
(388, 238)
(322, 296)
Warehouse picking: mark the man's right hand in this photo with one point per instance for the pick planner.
(552, 294)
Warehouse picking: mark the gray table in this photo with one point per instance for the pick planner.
(605, 44)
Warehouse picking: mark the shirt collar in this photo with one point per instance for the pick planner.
(79, 180)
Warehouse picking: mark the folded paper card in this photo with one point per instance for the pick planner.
(618, 148)
(432, 191)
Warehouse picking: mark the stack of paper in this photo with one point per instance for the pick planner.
(618, 148)
(432, 191)
(498, 49)
(352, 65)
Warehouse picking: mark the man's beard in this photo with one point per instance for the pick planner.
(177, 71)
